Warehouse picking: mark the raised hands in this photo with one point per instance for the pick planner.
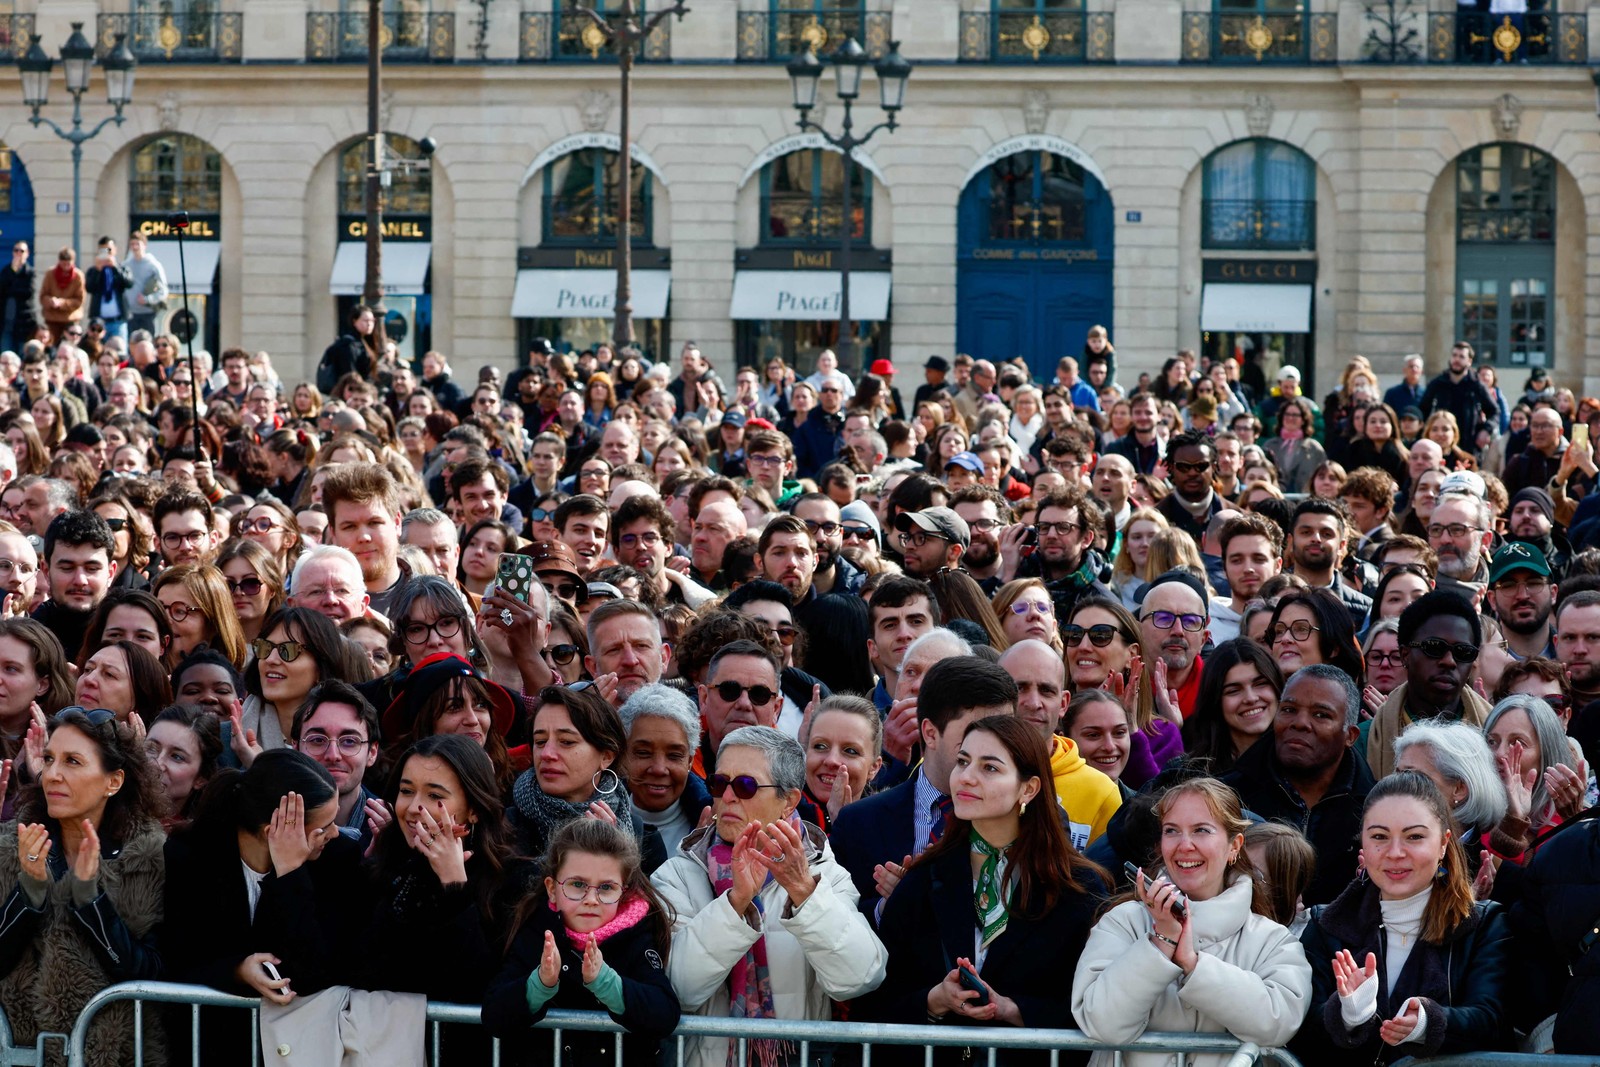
(900, 729)
(1519, 786)
(33, 741)
(550, 962)
(243, 741)
(593, 962)
(842, 794)
(1347, 976)
(379, 815)
(782, 851)
(441, 843)
(33, 850)
(289, 843)
(1166, 697)
(86, 863)
(749, 873)
(886, 876)
(1565, 786)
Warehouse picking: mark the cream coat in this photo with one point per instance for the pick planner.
(1252, 980)
(824, 950)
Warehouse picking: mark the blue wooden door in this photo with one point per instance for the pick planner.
(1034, 261)
(16, 201)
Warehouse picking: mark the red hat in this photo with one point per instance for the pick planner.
(759, 424)
(426, 679)
(882, 367)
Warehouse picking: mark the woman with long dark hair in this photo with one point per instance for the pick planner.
(447, 695)
(1405, 962)
(298, 647)
(1313, 626)
(973, 910)
(1239, 690)
(184, 745)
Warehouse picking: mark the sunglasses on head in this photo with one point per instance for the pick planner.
(744, 786)
(760, 695)
(95, 716)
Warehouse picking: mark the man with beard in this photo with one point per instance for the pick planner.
(625, 640)
(1439, 634)
(1191, 460)
(1252, 552)
(1065, 558)
(1532, 520)
(1172, 629)
(986, 513)
(1140, 447)
(834, 573)
(1578, 647)
(1523, 595)
(1458, 391)
(1460, 531)
(932, 540)
(1316, 547)
(787, 555)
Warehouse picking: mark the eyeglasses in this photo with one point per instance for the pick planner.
(744, 786)
(649, 539)
(1022, 607)
(857, 533)
(1300, 630)
(826, 529)
(1099, 636)
(984, 525)
(1527, 585)
(1386, 659)
(830, 389)
(95, 717)
(261, 525)
(785, 635)
(1437, 647)
(445, 626)
(1059, 529)
(760, 695)
(288, 651)
(179, 611)
(178, 540)
(1454, 529)
(564, 590)
(1191, 468)
(9, 567)
(562, 654)
(1557, 702)
(247, 586)
(594, 472)
(773, 459)
(917, 538)
(317, 744)
(1166, 620)
(577, 891)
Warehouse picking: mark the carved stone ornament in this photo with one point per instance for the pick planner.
(594, 107)
(1507, 114)
(1035, 111)
(1258, 113)
(168, 114)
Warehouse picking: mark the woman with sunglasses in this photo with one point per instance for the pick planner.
(1239, 690)
(82, 872)
(255, 584)
(200, 610)
(298, 648)
(127, 615)
(1313, 626)
(567, 645)
(541, 517)
(270, 524)
(1101, 639)
(1027, 613)
(576, 739)
(133, 536)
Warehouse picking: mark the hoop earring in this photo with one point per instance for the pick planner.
(1361, 874)
(616, 781)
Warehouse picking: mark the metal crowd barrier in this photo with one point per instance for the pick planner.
(808, 1035)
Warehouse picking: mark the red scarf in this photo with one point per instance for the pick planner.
(64, 276)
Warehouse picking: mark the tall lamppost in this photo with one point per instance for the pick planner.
(625, 33)
(849, 63)
(77, 63)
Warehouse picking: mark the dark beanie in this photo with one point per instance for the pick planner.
(1539, 497)
(1184, 577)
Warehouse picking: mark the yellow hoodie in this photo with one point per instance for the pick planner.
(1088, 796)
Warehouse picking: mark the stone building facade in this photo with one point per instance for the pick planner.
(1303, 182)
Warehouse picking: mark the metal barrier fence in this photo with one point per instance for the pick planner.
(820, 1037)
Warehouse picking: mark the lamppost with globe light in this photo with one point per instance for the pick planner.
(849, 63)
(77, 64)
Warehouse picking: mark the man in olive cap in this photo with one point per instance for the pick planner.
(932, 539)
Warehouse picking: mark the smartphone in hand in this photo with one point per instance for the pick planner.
(970, 981)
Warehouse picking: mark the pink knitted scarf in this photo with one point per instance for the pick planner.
(634, 909)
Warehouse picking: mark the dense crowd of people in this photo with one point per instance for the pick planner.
(609, 687)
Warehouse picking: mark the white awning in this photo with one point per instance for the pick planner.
(587, 294)
(200, 258)
(405, 268)
(1256, 308)
(808, 295)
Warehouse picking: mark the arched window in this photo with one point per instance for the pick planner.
(582, 194)
(410, 191)
(1260, 194)
(175, 172)
(1038, 197)
(1505, 253)
(1505, 192)
(802, 198)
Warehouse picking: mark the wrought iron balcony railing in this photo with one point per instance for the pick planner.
(1026, 37)
(776, 36)
(181, 37)
(405, 36)
(1482, 37)
(1280, 225)
(1252, 37)
(16, 33)
(576, 39)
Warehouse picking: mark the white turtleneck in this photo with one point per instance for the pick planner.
(671, 823)
(1402, 927)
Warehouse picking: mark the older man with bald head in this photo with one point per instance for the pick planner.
(970, 398)
(1087, 795)
(719, 524)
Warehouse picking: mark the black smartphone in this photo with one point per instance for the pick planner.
(1131, 871)
(1031, 538)
(970, 981)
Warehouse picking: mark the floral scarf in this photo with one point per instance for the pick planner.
(749, 984)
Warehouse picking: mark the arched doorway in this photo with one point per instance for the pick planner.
(407, 243)
(16, 199)
(1034, 259)
(176, 172)
(1506, 253)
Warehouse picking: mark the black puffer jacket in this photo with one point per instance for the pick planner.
(1462, 984)
(1559, 906)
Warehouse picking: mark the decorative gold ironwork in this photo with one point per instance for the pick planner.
(1035, 38)
(1506, 39)
(814, 35)
(593, 38)
(168, 37)
(1257, 37)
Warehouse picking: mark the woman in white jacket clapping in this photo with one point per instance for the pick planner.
(766, 924)
(1226, 966)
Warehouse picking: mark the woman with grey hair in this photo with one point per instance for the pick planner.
(1456, 758)
(1545, 779)
(766, 924)
(663, 736)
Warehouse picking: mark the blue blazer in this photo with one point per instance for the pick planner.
(877, 829)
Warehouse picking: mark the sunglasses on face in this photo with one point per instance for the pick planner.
(856, 533)
(561, 654)
(1437, 647)
(247, 586)
(760, 695)
(542, 514)
(1099, 636)
(564, 590)
(117, 525)
(744, 786)
(288, 651)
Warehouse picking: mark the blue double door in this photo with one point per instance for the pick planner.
(1034, 263)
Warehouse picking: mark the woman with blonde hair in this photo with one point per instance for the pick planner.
(200, 609)
(1131, 569)
(1173, 549)
(1443, 429)
(305, 402)
(23, 437)
(1027, 612)
(255, 583)
(49, 418)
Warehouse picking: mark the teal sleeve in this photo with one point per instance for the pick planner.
(607, 989)
(539, 994)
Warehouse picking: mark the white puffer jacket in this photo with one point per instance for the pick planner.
(824, 950)
(1252, 980)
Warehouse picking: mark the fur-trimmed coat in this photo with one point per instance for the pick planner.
(54, 958)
